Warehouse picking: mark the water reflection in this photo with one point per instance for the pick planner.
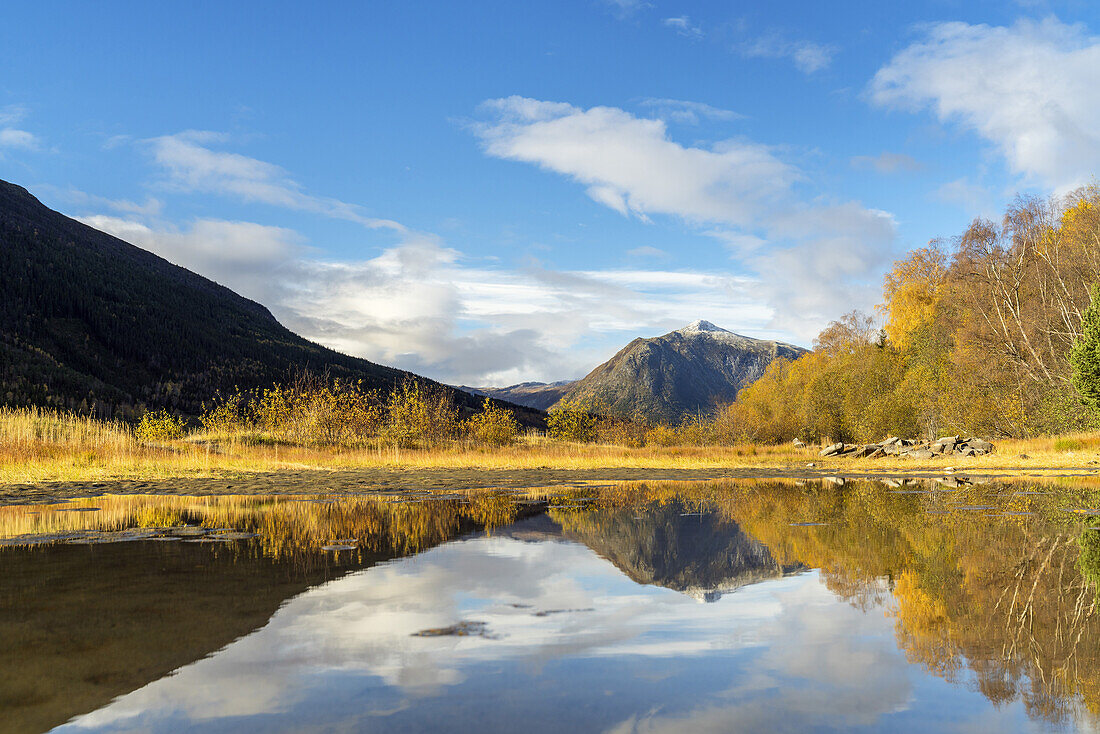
(710, 606)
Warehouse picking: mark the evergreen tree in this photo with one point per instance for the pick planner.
(1085, 355)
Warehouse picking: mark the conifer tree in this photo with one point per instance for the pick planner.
(1085, 355)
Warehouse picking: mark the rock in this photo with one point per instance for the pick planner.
(890, 441)
(878, 452)
(920, 454)
(798, 444)
(833, 450)
(838, 481)
(811, 465)
(979, 445)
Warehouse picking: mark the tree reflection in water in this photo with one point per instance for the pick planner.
(994, 579)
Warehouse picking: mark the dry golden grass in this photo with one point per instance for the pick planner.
(37, 446)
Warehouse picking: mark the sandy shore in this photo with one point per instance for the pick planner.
(319, 481)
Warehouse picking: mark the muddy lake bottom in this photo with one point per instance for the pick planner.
(626, 601)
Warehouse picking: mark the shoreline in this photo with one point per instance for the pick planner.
(385, 479)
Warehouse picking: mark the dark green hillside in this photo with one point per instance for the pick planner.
(91, 323)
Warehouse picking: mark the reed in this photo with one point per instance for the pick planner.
(40, 446)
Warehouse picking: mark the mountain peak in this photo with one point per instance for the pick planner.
(696, 327)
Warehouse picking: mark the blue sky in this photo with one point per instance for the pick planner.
(495, 192)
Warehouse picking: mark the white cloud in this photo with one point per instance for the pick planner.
(807, 56)
(684, 26)
(1031, 89)
(191, 164)
(10, 135)
(686, 112)
(813, 260)
(631, 165)
(886, 163)
(423, 307)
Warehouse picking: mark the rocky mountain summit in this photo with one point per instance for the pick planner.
(690, 370)
(693, 369)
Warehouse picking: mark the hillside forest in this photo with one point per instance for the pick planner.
(989, 333)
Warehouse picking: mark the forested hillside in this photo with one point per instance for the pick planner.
(977, 337)
(93, 324)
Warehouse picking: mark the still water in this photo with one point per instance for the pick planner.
(662, 607)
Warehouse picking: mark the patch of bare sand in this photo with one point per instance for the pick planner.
(367, 480)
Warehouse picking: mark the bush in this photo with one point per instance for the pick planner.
(159, 426)
(622, 431)
(224, 417)
(419, 416)
(493, 426)
(571, 421)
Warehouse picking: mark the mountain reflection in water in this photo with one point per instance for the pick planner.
(846, 608)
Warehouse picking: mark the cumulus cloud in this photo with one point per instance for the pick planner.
(12, 136)
(424, 307)
(191, 163)
(812, 260)
(807, 56)
(630, 163)
(241, 255)
(1031, 89)
(886, 163)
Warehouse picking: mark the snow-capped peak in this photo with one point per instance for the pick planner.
(696, 327)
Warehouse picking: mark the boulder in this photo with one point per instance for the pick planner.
(798, 444)
(833, 450)
(920, 454)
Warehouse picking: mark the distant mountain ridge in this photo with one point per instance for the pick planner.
(689, 370)
(537, 395)
(91, 323)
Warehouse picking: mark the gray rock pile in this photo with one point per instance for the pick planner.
(893, 446)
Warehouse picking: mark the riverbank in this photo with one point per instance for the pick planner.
(405, 479)
(66, 456)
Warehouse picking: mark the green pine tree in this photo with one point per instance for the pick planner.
(1085, 355)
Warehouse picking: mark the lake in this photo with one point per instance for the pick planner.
(749, 606)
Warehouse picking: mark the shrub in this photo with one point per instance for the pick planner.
(419, 416)
(159, 426)
(571, 421)
(493, 426)
(225, 416)
(621, 431)
(661, 435)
